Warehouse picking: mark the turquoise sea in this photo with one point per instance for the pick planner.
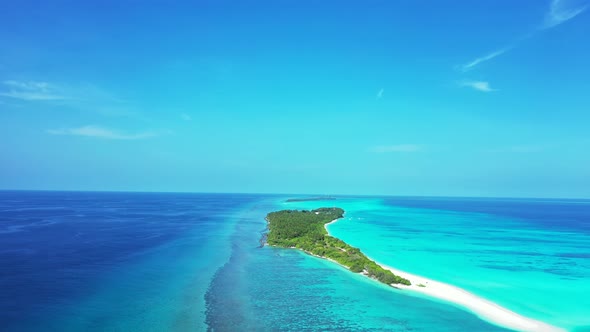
(73, 261)
(531, 256)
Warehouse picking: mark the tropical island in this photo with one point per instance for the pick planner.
(305, 230)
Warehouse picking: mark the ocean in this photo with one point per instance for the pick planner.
(99, 261)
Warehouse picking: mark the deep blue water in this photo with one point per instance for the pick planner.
(59, 250)
(73, 261)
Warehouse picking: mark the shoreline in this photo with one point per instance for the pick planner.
(481, 307)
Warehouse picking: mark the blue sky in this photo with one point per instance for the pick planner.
(468, 98)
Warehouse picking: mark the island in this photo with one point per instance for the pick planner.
(305, 230)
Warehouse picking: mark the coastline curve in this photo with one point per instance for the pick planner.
(481, 307)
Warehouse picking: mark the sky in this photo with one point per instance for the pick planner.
(427, 98)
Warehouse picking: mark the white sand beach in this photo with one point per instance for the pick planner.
(481, 307)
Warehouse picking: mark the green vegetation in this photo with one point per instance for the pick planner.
(305, 230)
(421, 285)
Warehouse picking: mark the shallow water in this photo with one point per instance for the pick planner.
(273, 289)
(531, 256)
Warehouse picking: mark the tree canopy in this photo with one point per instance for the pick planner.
(305, 230)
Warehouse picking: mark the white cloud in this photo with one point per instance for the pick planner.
(29, 85)
(31, 90)
(396, 148)
(80, 96)
(186, 117)
(478, 85)
(482, 59)
(99, 132)
(380, 93)
(74, 95)
(561, 11)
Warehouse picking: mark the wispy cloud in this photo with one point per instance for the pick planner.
(484, 58)
(31, 90)
(79, 96)
(561, 11)
(100, 132)
(478, 85)
(380, 93)
(186, 117)
(80, 93)
(396, 148)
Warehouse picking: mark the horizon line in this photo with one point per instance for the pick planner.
(293, 194)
